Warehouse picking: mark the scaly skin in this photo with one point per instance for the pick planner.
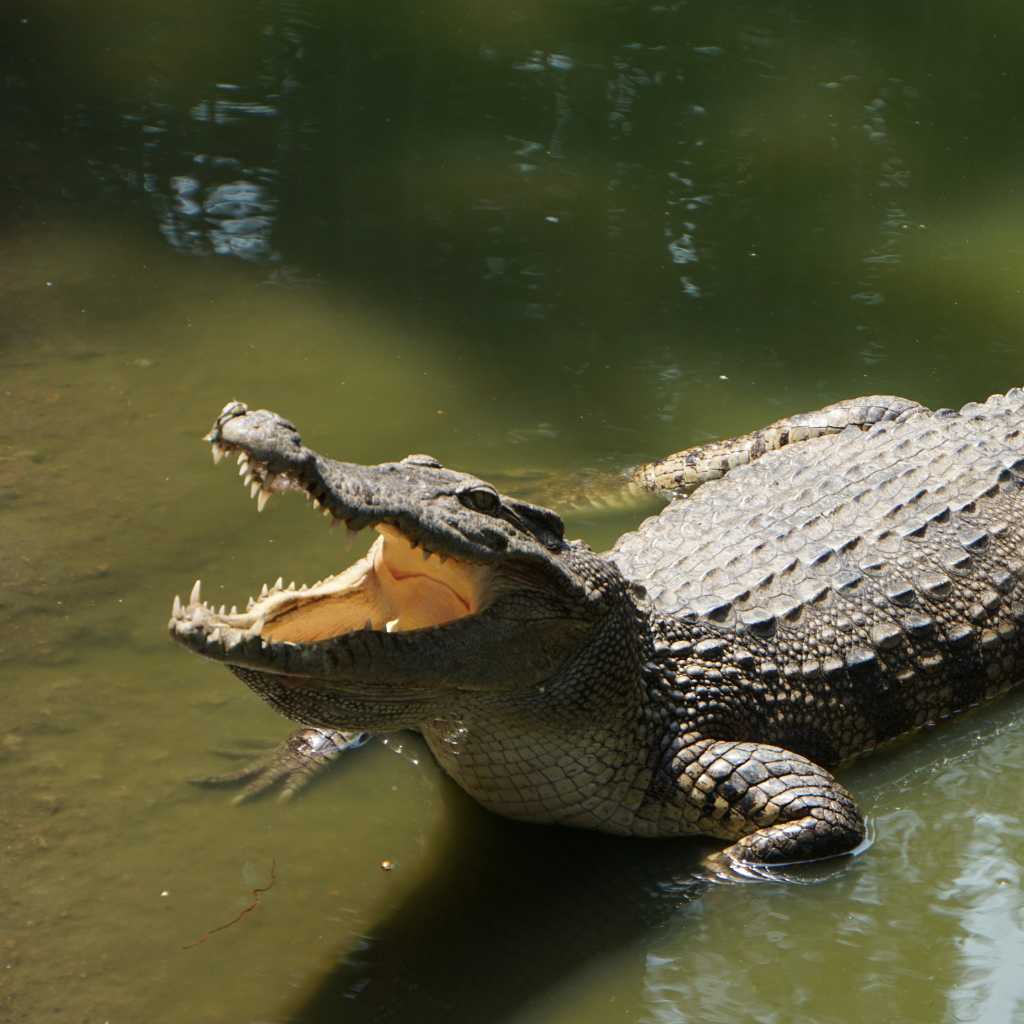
(824, 597)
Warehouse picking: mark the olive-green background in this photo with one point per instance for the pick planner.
(533, 239)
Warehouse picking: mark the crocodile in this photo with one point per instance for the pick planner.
(830, 583)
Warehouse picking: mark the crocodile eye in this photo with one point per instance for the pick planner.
(481, 499)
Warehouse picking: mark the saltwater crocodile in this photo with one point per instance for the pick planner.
(849, 586)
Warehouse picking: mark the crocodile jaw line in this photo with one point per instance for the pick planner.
(397, 586)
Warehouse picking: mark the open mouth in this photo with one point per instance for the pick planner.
(403, 583)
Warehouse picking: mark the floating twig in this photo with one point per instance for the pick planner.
(256, 894)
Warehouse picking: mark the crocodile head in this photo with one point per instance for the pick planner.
(465, 593)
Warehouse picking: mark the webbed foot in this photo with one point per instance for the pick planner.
(294, 763)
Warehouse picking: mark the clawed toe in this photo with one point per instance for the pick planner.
(292, 764)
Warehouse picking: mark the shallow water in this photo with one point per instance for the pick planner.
(534, 241)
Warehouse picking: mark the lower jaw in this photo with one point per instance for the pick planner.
(302, 701)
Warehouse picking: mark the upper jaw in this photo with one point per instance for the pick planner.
(416, 497)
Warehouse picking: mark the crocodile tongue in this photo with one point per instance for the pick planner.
(394, 587)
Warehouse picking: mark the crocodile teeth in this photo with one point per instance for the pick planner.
(222, 611)
(214, 636)
(291, 586)
(234, 609)
(177, 609)
(279, 583)
(264, 592)
(217, 452)
(391, 626)
(243, 468)
(194, 598)
(253, 488)
(316, 504)
(242, 457)
(261, 501)
(327, 513)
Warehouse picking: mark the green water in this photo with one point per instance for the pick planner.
(531, 239)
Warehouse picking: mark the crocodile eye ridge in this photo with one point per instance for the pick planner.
(481, 499)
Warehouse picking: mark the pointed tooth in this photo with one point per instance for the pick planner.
(264, 592)
(243, 469)
(316, 504)
(391, 626)
(194, 598)
(426, 555)
(233, 640)
(261, 501)
(327, 513)
(217, 452)
(223, 610)
(279, 583)
(176, 609)
(253, 488)
(214, 636)
(242, 458)
(250, 603)
(291, 586)
(234, 609)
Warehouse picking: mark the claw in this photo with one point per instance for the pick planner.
(293, 763)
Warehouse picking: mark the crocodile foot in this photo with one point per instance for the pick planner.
(294, 763)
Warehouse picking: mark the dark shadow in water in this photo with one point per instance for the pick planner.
(510, 912)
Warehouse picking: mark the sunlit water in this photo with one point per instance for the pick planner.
(535, 241)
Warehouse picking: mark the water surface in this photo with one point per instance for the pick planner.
(534, 241)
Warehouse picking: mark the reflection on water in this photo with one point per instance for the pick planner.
(987, 895)
(544, 243)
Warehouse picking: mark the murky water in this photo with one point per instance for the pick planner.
(533, 240)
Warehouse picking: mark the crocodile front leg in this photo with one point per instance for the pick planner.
(776, 806)
(685, 471)
(294, 763)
